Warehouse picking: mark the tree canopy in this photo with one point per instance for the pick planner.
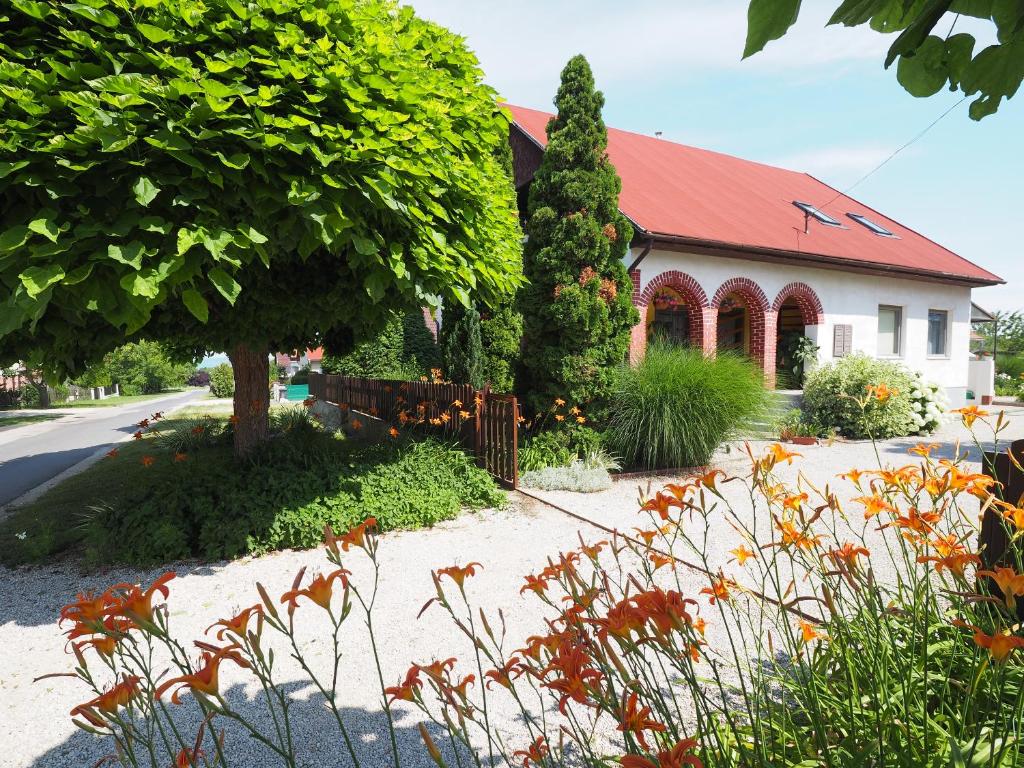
(238, 174)
(577, 308)
(931, 52)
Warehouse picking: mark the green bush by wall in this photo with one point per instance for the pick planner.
(222, 381)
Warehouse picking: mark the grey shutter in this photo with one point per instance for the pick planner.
(842, 340)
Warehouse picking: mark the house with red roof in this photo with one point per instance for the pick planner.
(294, 360)
(733, 254)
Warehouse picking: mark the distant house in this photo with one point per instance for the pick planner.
(293, 361)
(733, 254)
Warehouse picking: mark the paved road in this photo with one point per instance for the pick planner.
(32, 454)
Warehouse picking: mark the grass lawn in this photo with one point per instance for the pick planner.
(17, 420)
(116, 400)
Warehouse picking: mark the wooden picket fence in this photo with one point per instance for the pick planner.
(483, 422)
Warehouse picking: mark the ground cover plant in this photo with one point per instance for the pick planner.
(178, 492)
(831, 399)
(676, 406)
(883, 640)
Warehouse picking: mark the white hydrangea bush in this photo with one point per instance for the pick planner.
(929, 402)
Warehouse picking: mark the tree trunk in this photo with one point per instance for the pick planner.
(252, 397)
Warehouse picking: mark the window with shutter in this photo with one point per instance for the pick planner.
(842, 340)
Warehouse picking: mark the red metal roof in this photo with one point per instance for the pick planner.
(677, 191)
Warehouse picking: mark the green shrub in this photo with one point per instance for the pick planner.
(214, 508)
(676, 407)
(1010, 364)
(830, 391)
(140, 368)
(545, 449)
(462, 352)
(403, 349)
(192, 433)
(301, 376)
(222, 381)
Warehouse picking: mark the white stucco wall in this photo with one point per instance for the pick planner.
(847, 298)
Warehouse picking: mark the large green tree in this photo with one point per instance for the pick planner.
(577, 307)
(241, 175)
(931, 51)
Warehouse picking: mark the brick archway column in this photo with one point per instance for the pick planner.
(765, 355)
(709, 335)
(638, 336)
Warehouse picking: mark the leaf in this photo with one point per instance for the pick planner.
(78, 274)
(154, 34)
(196, 304)
(7, 169)
(145, 190)
(38, 279)
(14, 237)
(44, 225)
(141, 284)
(130, 254)
(768, 20)
(255, 236)
(35, 10)
(104, 17)
(225, 284)
(917, 31)
(364, 246)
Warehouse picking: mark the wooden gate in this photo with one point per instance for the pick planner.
(483, 422)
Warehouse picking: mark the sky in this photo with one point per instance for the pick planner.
(818, 100)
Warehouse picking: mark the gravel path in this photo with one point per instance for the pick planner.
(35, 728)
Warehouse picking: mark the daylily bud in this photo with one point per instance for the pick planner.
(267, 602)
(432, 749)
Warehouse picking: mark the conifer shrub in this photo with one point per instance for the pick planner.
(462, 352)
(576, 305)
(222, 381)
(676, 406)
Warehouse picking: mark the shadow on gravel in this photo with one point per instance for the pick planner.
(315, 734)
(946, 449)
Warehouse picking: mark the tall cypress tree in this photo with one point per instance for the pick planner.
(461, 350)
(577, 307)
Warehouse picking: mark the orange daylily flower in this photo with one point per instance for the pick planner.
(793, 536)
(393, 432)
(205, 679)
(777, 454)
(112, 453)
(1010, 583)
(405, 690)
(108, 702)
(874, 504)
(924, 450)
(636, 719)
(559, 417)
(681, 754)
(537, 584)
(848, 554)
(559, 402)
(458, 574)
(356, 424)
(148, 461)
(742, 553)
(708, 479)
(660, 560)
(661, 504)
(1012, 514)
(504, 675)
(437, 670)
(794, 502)
(356, 537)
(233, 419)
(88, 608)
(320, 589)
(881, 392)
(809, 633)
(239, 623)
(581, 419)
(719, 589)
(1000, 645)
(465, 414)
(198, 430)
(180, 457)
(535, 753)
(136, 603)
(622, 620)
(970, 414)
(853, 476)
(572, 662)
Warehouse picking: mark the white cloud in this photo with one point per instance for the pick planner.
(839, 165)
(523, 45)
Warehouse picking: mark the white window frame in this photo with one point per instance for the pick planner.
(928, 332)
(901, 317)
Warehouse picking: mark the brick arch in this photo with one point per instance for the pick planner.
(686, 286)
(677, 281)
(810, 305)
(746, 289)
(763, 331)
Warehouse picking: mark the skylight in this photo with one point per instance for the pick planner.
(821, 216)
(878, 229)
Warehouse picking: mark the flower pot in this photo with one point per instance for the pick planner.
(986, 399)
(803, 440)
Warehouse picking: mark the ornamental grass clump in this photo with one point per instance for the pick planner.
(853, 624)
(676, 406)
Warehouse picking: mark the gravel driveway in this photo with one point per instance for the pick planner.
(34, 724)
